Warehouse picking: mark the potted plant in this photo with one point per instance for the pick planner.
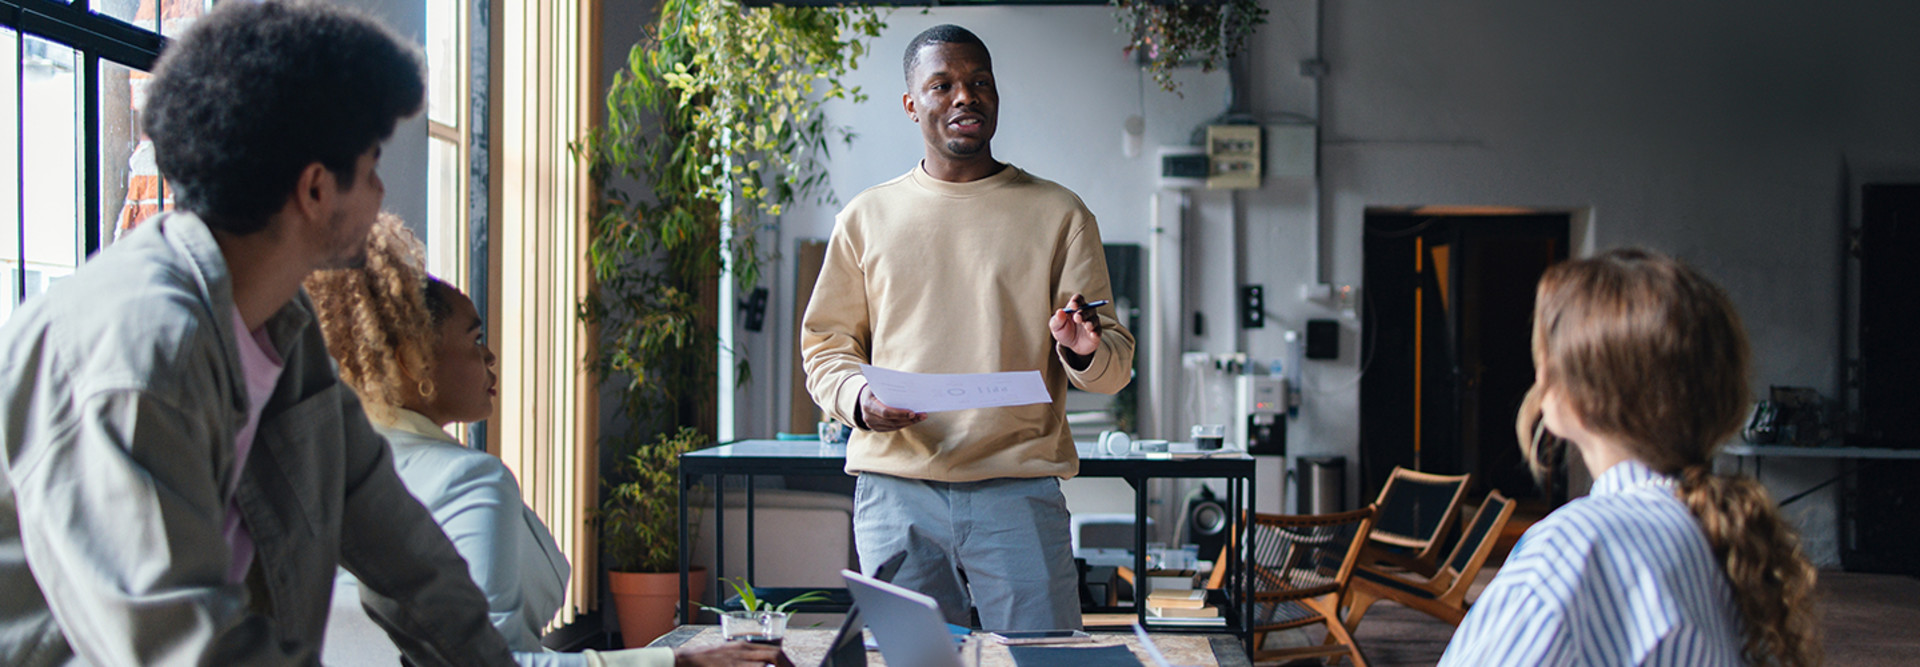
(639, 524)
(717, 121)
(1167, 34)
(759, 620)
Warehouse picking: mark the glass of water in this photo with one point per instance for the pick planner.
(757, 627)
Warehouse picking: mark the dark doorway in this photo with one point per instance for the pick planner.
(1888, 359)
(1878, 533)
(1446, 331)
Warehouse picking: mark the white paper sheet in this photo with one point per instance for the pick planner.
(937, 392)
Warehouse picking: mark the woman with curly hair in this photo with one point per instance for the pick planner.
(1642, 363)
(410, 345)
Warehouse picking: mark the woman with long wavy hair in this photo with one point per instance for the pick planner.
(1642, 364)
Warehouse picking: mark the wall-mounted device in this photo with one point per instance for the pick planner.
(1323, 339)
(1183, 167)
(1259, 405)
(1253, 307)
(1290, 150)
(1233, 156)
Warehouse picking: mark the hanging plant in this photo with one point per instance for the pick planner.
(1167, 34)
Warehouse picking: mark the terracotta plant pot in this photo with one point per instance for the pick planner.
(644, 602)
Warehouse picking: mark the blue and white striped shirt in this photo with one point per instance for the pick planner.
(1623, 576)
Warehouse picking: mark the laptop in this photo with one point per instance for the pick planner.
(908, 626)
(848, 648)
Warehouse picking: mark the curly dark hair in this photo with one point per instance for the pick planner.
(945, 33)
(254, 93)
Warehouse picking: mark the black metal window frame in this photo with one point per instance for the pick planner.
(94, 38)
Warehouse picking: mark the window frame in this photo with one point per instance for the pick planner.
(93, 38)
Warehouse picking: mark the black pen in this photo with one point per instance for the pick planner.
(1087, 307)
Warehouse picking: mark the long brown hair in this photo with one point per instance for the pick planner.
(1648, 351)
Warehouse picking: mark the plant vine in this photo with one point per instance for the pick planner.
(1170, 34)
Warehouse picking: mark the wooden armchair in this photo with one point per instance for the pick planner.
(1300, 567)
(1414, 511)
(1443, 595)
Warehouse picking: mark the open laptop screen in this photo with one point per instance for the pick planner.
(847, 649)
(908, 625)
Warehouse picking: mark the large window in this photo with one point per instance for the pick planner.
(446, 50)
(73, 166)
(75, 173)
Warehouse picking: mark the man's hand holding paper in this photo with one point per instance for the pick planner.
(937, 392)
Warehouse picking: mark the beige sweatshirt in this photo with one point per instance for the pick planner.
(928, 276)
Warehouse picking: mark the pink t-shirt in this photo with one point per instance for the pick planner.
(262, 366)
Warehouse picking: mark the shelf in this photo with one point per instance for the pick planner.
(1821, 452)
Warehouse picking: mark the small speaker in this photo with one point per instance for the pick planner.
(1206, 522)
(754, 309)
(1323, 339)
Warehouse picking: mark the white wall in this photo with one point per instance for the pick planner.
(1714, 132)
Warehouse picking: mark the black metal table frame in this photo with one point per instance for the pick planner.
(750, 458)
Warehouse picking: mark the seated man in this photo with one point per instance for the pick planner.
(183, 472)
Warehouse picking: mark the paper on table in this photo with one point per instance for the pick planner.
(936, 392)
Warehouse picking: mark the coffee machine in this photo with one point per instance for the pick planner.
(1260, 408)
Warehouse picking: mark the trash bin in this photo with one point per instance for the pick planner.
(1322, 484)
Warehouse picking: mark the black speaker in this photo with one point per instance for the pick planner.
(1323, 339)
(1205, 522)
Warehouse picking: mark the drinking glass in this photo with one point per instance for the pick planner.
(1209, 436)
(758, 627)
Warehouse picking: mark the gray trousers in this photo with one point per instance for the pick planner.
(1000, 546)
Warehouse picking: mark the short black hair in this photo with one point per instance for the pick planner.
(253, 93)
(439, 298)
(945, 33)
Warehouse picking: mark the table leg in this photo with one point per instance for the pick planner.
(685, 555)
(1240, 581)
(1139, 485)
(719, 534)
(750, 552)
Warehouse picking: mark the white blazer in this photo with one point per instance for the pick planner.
(509, 553)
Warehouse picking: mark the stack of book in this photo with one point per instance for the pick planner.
(1172, 600)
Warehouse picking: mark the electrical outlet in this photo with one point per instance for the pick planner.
(1253, 307)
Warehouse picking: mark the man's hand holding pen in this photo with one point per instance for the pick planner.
(1077, 329)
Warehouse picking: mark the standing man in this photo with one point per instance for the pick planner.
(182, 468)
(965, 265)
